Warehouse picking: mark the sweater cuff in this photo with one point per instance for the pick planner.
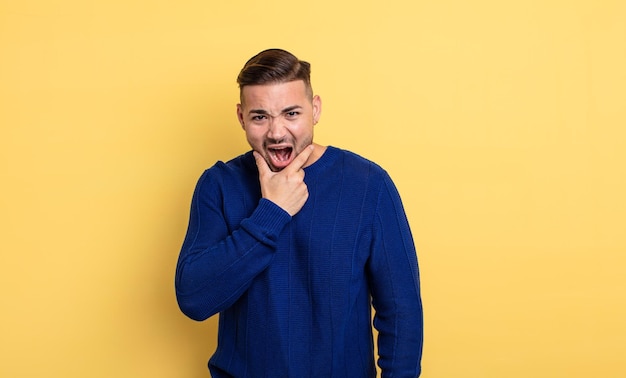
(268, 219)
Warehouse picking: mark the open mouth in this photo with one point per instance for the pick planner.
(281, 157)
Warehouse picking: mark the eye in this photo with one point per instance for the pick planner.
(259, 118)
(292, 114)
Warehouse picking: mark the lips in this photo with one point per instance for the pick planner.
(280, 156)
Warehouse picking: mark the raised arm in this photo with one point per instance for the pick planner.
(216, 266)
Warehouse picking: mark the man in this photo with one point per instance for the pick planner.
(293, 242)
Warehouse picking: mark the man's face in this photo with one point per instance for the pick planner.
(278, 120)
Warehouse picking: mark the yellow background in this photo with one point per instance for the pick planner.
(502, 123)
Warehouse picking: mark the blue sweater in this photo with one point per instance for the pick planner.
(294, 293)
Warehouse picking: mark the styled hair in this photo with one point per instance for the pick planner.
(275, 66)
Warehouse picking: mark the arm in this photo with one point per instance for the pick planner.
(394, 278)
(214, 267)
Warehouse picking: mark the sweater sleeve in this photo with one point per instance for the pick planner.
(216, 267)
(394, 278)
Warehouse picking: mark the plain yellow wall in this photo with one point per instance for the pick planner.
(502, 123)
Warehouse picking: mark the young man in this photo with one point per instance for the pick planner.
(293, 242)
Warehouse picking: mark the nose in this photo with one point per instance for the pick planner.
(277, 130)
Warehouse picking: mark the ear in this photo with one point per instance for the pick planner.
(317, 108)
(240, 116)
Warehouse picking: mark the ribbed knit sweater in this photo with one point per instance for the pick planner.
(294, 293)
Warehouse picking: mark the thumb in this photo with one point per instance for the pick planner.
(261, 163)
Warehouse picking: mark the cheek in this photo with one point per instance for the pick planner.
(254, 137)
(303, 131)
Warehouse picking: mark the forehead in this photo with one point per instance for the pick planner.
(274, 95)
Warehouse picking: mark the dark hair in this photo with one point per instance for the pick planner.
(275, 66)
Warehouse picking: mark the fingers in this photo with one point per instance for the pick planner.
(261, 163)
(285, 188)
(301, 159)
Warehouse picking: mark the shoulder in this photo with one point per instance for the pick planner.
(360, 166)
(242, 164)
(238, 166)
(365, 173)
(236, 172)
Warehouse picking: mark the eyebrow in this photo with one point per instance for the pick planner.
(265, 112)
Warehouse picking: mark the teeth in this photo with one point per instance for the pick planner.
(281, 154)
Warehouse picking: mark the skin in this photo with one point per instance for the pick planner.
(279, 116)
(278, 120)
